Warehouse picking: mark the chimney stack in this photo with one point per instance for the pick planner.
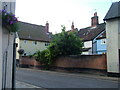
(94, 20)
(72, 26)
(47, 27)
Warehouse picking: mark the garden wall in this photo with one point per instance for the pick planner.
(83, 63)
(86, 63)
(27, 62)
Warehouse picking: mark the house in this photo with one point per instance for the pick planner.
(101, 44)
(32, 38)
(112, 19)
(7, 69)
(90, 35)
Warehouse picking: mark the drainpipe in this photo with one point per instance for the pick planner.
(92, 47)
(14, 63)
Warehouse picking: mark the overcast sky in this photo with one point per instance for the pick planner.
(61, 12)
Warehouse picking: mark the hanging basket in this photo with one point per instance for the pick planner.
(9, 21)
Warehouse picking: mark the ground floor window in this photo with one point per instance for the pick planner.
(47, 44)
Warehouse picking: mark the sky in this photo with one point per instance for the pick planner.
(61, 12)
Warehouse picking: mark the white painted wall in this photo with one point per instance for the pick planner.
(30, 48)
(6, 52)
(112, 45)
(119, 35)
(87, 44)
(119, 40)
(0, 51)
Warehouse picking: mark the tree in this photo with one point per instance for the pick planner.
(66, 43)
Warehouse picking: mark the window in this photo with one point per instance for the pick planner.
(25, 41)
(35, 42)
(103, 41)
(24, 54)
(47, 44)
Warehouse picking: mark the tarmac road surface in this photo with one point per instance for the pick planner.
(49, 79)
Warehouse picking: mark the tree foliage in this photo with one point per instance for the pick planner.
(66, 43)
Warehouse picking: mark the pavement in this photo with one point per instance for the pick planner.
(21, 85)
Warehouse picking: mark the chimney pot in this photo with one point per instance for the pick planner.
(95, 14)
(72, 26)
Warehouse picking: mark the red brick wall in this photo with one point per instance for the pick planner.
(83, 61)
(29, 61)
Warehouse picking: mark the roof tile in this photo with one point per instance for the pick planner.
(29, 31)
(89, 33)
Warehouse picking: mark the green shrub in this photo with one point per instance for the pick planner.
(44, 57)
(37, 55)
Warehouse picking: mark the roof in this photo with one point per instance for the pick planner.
(29, 31)
(74, 30)
(113, 12)
(103, 35)
(89, 33)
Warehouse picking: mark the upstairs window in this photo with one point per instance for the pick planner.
(35, 42)
(103, 41)
(25, 41)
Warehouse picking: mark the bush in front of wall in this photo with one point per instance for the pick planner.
(45, 57)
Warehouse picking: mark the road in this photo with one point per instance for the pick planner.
(47, 79)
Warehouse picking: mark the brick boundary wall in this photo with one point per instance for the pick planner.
(83, 63)
(27, 62)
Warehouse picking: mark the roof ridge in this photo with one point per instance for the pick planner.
(90, 26)
(31, 23)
